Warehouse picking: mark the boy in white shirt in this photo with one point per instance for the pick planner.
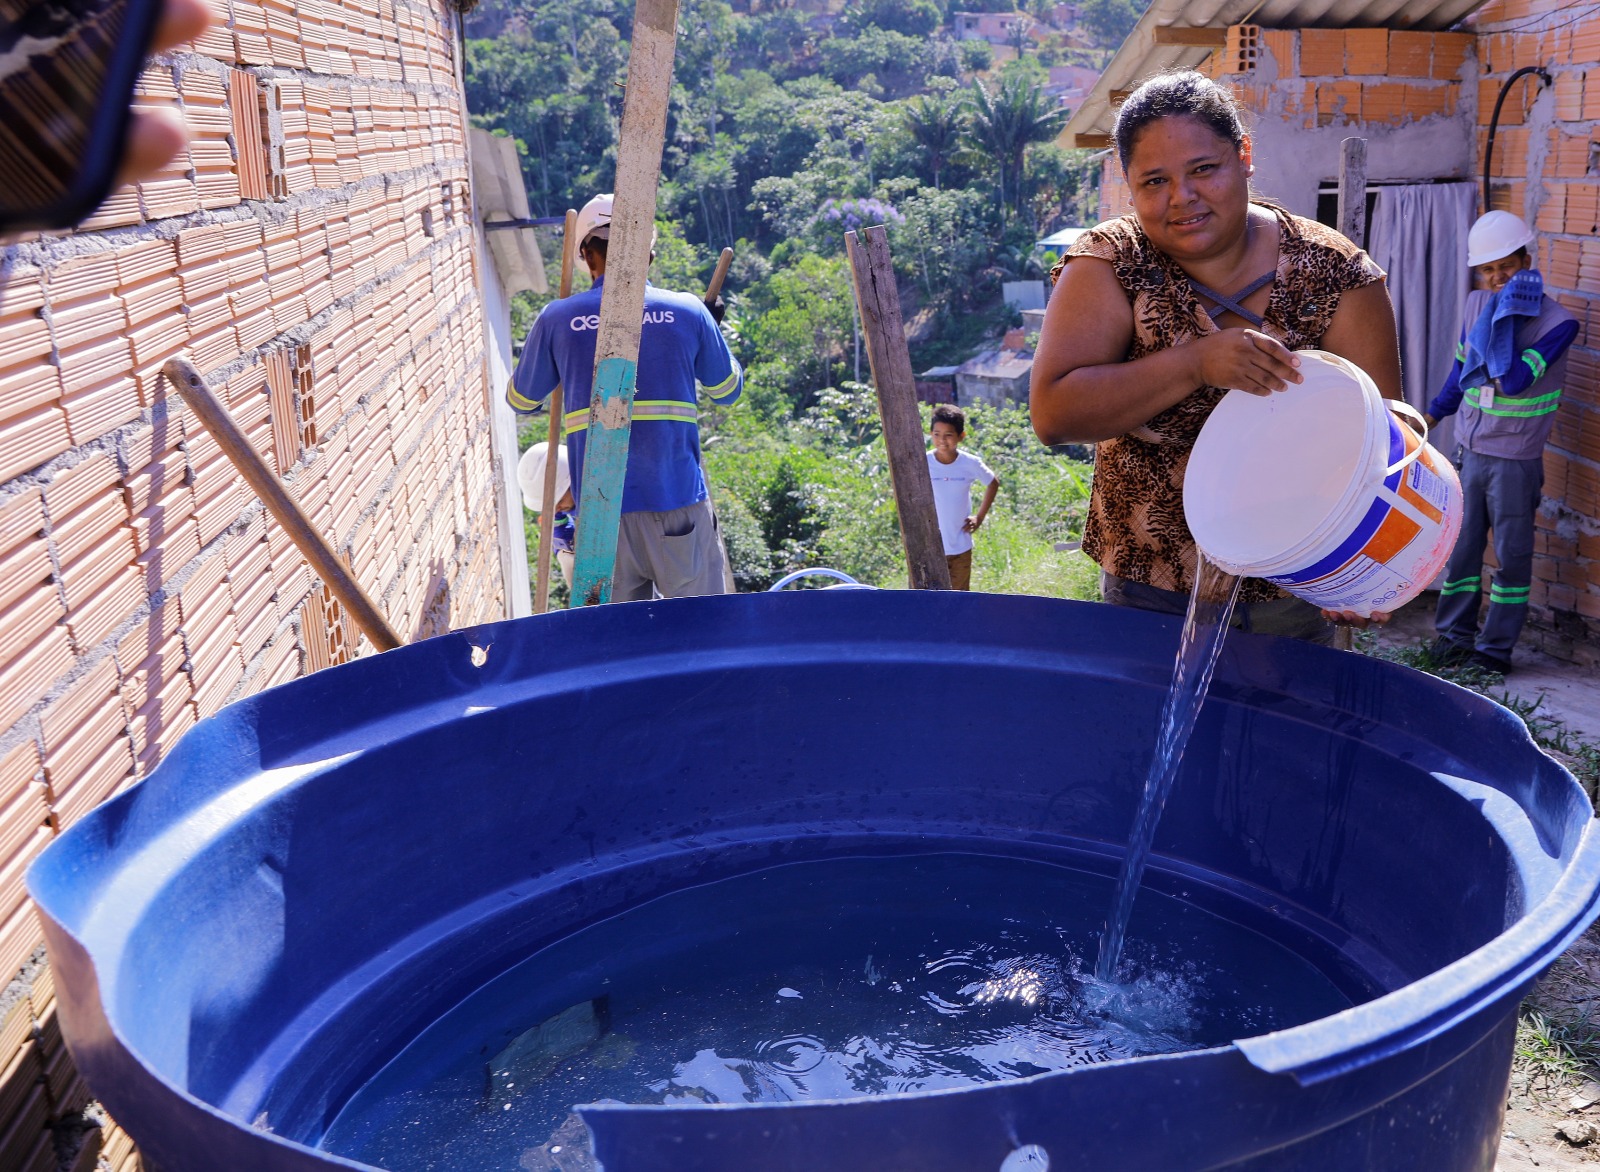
(954, 472)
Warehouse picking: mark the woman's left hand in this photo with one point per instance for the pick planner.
(1349, 618)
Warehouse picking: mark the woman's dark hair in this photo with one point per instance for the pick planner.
(1181, 94)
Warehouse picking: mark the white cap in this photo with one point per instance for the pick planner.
(530, 475)
(1496, 235)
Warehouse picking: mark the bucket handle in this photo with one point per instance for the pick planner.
(815, 572)
(1410, 413)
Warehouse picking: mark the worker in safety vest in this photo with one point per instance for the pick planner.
(1511, 363)
(667, 541)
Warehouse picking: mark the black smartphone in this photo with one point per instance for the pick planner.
(67, 72)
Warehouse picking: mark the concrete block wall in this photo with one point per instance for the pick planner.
(1546, 161)
(313, 253)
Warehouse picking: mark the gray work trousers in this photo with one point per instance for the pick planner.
(675, 554)
(1503, 496)
(1289, 617)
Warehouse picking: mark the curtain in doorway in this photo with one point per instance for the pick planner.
(1419, 237)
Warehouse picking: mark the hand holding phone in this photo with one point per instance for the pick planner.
(67, 72)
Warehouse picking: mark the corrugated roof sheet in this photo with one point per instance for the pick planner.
(998, 364)
(1141, 57)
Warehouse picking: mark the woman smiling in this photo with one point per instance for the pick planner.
(1156, 313)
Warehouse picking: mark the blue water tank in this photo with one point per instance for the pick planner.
(318, 872)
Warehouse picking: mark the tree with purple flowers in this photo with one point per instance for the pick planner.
(838, 216)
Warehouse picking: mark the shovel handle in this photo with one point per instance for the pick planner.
(203, 401)
(719, 275)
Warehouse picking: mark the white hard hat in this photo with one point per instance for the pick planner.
(1496, 235)
(530, 475)
(594, 219)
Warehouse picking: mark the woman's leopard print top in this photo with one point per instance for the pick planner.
(1135, 528)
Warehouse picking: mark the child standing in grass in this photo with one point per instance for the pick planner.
(954, 472)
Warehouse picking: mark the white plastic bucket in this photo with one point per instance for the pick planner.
(1319, 489)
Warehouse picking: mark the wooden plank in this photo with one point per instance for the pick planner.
(555, 406)
(892, 376)
(1091, 141)
(284, 508)
(714, 287)
(1205, 38)
(1353, 190)
(616, 366)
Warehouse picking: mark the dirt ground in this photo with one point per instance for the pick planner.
(1553, 1115)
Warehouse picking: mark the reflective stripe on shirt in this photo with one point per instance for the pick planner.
(1515, 407)
(517, 400)
(727, 386)
(646, 410)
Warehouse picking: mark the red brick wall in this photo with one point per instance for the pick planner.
(312, 252)
(1324, 77)
(1327, 76)
(1544, 169)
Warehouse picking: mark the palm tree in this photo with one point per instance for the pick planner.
(1003, 124)
(937, 122)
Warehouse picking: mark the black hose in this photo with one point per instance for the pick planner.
(1494, 120)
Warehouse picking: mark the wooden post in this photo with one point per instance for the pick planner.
(890, 360)
(616, 366)
(1353, 190)
(1352, 218)
(713, 287)
(325, 564)
(547, 515)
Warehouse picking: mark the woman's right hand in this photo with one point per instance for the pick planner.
(1245, 360)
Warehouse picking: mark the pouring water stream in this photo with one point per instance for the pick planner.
(1211, 602)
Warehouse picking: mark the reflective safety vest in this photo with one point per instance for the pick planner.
(1515, 427)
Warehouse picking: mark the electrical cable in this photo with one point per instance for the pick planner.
(1531, 22)
(1494, 119)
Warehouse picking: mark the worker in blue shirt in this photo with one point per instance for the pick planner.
(1511, 364)
(667, 542)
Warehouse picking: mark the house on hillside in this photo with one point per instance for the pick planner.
(1070, 84)
(1058, 241)
(1419, 81)
(996, 377)
(1063, 17)
(998, 28)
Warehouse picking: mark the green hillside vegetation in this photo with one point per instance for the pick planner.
(787, 129)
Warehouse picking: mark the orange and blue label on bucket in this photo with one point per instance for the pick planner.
(1400, 543)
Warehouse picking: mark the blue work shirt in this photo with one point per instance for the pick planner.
(679, 346)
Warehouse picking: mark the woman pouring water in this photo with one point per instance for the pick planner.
(1154, 313)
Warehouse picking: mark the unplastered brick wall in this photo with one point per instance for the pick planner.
(312, 253)
(1312, 78)
(1545, 165)
(1329, 77)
